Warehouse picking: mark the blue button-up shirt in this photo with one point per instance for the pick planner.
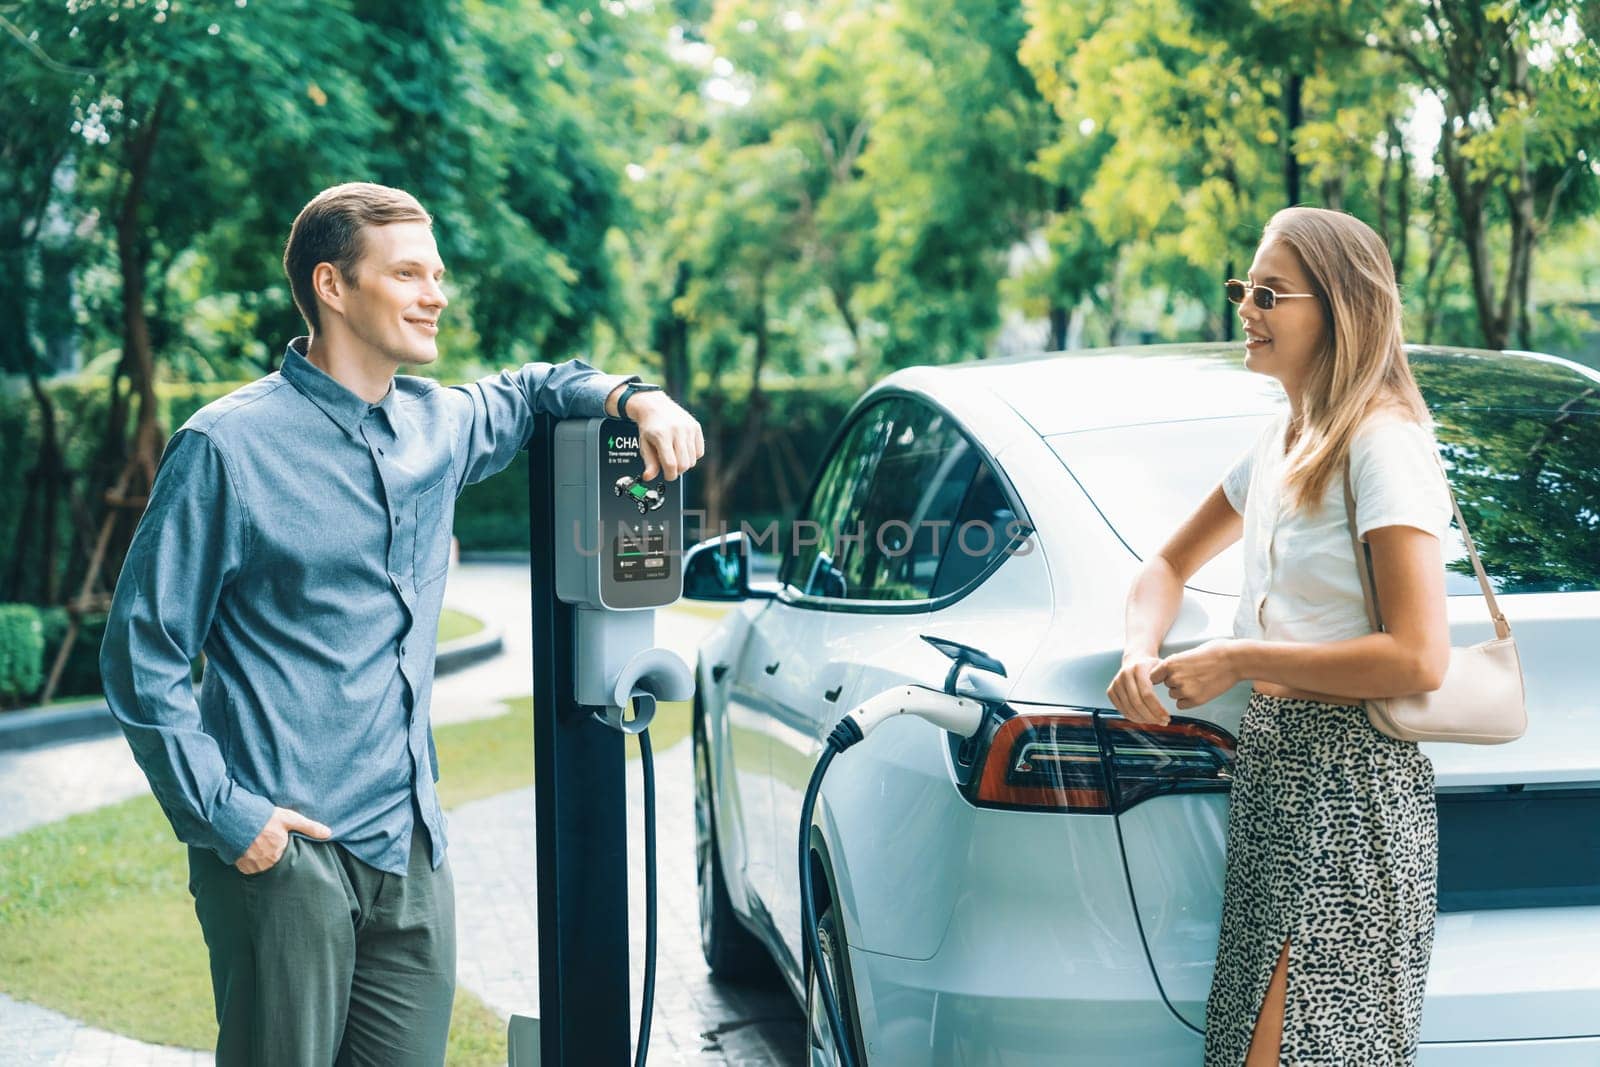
(300, 536)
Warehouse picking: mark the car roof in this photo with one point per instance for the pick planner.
(1065, 392)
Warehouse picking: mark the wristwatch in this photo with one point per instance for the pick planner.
(633, 387)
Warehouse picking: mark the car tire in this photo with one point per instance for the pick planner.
(731, 951)
(819, 1036)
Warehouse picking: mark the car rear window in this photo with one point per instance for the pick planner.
(1521, 439)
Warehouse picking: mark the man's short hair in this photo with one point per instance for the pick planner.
(328, 230)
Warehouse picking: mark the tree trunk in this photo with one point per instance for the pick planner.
(1228, 317)
(137, 364)
(43, 495)
(133, 258)
(1469, 196)
(747, 439)
(672, 338)
(841, 301)
(1402, 208)
(1524, 231)
(1291, 122)
(1060, 316)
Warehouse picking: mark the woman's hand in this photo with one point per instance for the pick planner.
(1199, 675)
(1132, 694)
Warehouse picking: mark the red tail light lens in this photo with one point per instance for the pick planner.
(1095, 762)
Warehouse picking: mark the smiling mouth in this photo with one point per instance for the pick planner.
(429, 325)
(1255, 340)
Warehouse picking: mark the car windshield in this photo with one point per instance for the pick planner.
(1521, 438)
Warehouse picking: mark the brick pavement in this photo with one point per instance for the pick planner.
(695, 1021)
(31, 1035)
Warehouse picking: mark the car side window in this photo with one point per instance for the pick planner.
(812, 566)
(984, 527)
(908, 511)
(889, 510)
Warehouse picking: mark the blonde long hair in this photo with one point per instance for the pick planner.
(1362, 367)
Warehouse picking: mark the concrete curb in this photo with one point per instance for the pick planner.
(33, 727)
(452, 656)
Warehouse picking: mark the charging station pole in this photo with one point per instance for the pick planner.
(581, 807)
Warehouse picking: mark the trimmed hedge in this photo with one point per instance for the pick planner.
(21, 652)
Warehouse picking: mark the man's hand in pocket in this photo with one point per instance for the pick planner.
(267, 849)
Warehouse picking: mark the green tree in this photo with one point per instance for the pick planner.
(956, 123)
(1519, 86)
(35, 108)
(1171, 143)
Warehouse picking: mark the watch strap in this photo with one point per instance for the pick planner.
(627, 393)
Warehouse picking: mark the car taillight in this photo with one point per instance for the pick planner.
(1098, 762)
(1183, 756)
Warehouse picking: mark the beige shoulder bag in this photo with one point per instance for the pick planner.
(1481, 701)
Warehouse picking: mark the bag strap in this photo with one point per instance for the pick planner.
(1363, 555)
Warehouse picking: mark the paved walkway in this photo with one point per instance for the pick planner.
(491, 850)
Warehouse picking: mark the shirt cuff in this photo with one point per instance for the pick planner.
(238, 821)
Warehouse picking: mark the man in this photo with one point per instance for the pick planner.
(298, 532)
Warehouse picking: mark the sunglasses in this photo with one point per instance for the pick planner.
(1265, 298)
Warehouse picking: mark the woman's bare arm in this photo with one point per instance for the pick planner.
(1156, 595)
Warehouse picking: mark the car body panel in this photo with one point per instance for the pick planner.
(1089, 938)
(1012, 982)
(897, 863)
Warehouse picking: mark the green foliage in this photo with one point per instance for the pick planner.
(21, 651)
(958, 121)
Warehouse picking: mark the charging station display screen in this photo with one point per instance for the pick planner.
(638, 516)
(640, 553)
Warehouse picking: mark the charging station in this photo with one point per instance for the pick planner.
(606, 551)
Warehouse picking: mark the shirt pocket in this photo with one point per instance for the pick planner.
(431, 558)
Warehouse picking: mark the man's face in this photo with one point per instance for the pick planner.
(394, 307)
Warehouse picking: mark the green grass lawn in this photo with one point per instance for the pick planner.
(96, 920)
(454, 624)
(704, 609)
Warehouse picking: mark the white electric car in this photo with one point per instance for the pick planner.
(1050, 893)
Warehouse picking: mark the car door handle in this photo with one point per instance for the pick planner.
(772, 668)
(832, 695)
(718, 671)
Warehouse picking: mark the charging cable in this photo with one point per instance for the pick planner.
(644, 710)
(959, 715)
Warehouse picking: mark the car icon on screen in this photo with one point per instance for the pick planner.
(646, 497)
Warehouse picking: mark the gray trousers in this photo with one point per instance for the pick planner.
(323, 960)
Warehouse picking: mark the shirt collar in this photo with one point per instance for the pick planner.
(345, 408)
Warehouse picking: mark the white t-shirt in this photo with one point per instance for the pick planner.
(1300, 578)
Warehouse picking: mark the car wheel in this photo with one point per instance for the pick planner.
(820, 1050)
(731, 951)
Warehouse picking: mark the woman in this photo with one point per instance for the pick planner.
(1332, 852)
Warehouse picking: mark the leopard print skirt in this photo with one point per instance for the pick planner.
(1333, 844)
